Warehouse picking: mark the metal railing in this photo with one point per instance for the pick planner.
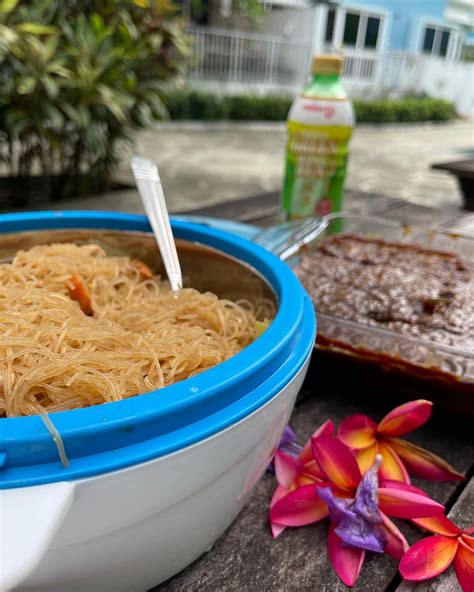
(240, 56)
(264, 62)
(359, 65)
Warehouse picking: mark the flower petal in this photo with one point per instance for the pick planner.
(326, 429)
(337, 462)
(405, 418)
(438, 524)
(346, 561)
(464, 566)
(405, 504)
(287, 468)
(397, 544)
(357, 431)
(428, 558)
(289, 442)
(366, 457)
(392, 467)
(403, 486)
(423, 463)
(278, 494)
(468, 539)
(358, 521)
(298, 508)
(311, 473)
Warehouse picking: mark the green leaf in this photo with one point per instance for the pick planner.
(16, 122)
(53, 115)
(51, 86)
(79, 114)
(7, 5)
(26, 85)
(36, 29)
(59, 70)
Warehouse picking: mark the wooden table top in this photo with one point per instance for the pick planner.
(461, 168)
(246, 558)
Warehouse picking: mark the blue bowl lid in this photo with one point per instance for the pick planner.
(116, 435)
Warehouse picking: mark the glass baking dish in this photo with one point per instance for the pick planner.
(411, 355)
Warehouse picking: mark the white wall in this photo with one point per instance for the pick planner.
(291, 24)
(453, 81)
(400, 74)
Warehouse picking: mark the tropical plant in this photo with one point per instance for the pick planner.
(75, 78)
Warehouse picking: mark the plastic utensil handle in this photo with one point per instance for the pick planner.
(29, 519)
(151, 193)
(285, 240)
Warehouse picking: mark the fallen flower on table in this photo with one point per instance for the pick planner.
(432, 555)
(358, 480)
(288, 444)
(366, 439)
(325, 481)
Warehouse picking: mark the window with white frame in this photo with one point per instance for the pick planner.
(435, 40)
(361, 30)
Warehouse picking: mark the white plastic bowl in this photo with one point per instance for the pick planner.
(154, 480)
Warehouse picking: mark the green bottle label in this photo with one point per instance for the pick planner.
(316, 163)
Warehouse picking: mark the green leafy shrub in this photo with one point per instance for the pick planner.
(75, 78)
(410, 109)
(206, 106)
(269, 108)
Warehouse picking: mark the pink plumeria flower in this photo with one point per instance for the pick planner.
(366, 439)
(288, 444)
(432, 555)
(293, 473)
(334, 466)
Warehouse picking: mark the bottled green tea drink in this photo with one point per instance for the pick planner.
(320, 124)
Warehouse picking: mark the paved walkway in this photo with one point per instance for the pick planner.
(203, 164)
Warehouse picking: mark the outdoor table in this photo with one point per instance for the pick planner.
(246, 557)
(463, 170)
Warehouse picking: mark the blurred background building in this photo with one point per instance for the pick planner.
(391, 47)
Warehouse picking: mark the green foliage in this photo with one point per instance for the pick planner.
(76, 77)
(409, 109)
(468, 53)
(269, 108)
(206, 106)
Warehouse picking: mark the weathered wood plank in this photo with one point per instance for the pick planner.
(417, 215)
(266, 206)
(246, 558)
(463, 515)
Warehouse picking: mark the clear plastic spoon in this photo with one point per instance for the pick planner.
(150, 190)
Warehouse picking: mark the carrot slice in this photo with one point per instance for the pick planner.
(78, 291)
(143, 269)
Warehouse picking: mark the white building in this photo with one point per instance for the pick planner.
(391, 47)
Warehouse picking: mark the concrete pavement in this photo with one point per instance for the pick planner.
(206, 163)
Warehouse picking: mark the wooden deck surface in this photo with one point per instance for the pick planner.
(246, 558)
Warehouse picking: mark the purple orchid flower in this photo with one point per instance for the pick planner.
(287, 444)
(358, 519)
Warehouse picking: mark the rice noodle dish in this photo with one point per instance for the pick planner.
(80, 328)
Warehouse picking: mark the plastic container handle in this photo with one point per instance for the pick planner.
(29, 519)
(286, 239)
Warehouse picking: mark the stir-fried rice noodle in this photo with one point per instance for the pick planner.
(79, 328)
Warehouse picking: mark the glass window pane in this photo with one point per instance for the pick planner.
(350, 29)
(330, 24)
(444, 43)
(372, 32)
(428, 40)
